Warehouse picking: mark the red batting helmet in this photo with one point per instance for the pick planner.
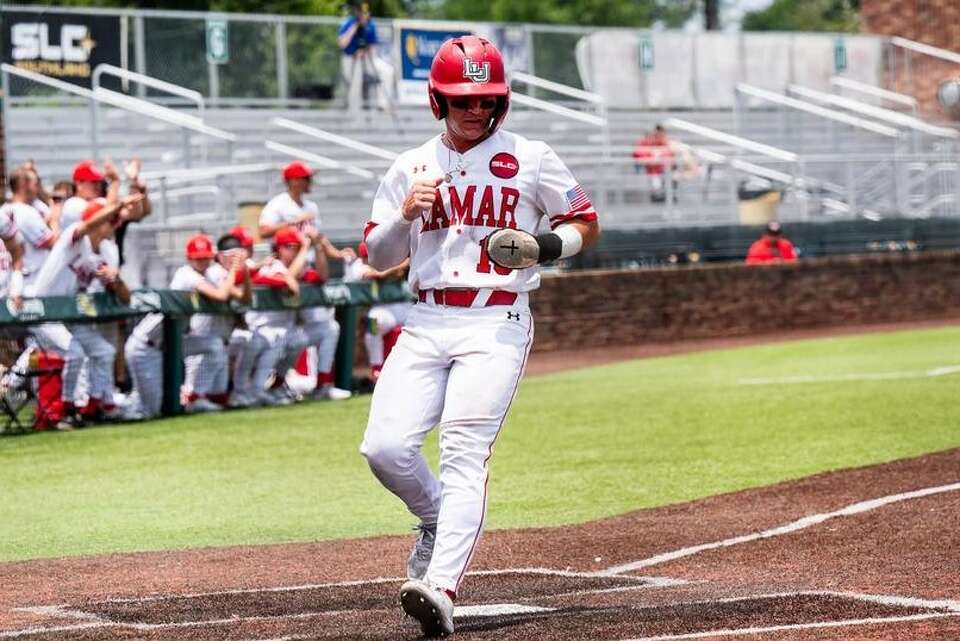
(199, 246)
(468, 66)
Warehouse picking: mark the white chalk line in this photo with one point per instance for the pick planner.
(94, 621)
(952, 609)
(794, 626)
(839, 378)
(374, 581)
(788, 528)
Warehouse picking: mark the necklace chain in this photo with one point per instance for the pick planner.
(459, 168)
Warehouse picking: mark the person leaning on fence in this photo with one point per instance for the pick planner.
(11, 259)
(772, 247)
(72, 265)
(205, 344)
(271, 330)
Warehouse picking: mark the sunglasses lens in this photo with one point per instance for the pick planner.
(464, 103)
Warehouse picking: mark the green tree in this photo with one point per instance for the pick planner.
(805, 15)
(615, 13)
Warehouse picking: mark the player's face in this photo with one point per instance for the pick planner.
(286, 253)
(200, 264)
(33, 186)
(468, 117)
(299, 185)
(88, 189)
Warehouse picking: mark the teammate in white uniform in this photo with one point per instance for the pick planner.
(462, 352)
(88, 184)
(272, 331)
(11, 258)
(321, 328)
(72, 265)
(385, 321)
(205, 345)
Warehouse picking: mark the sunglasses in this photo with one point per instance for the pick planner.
(464, 103)
(58, 198)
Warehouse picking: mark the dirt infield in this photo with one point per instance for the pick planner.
(869, 553)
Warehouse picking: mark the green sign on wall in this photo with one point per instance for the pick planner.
(646, 53)
(839, 55)
(218, 42)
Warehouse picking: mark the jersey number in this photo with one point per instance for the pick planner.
(485, 263)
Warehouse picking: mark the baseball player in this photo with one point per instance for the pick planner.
(204, 346)
(319, 323)
(72, 265)
(461, 354)
(273, 331)
(11, 258)
(88, 184)
(384, 322)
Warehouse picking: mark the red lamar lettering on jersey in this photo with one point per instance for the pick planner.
(462, 210)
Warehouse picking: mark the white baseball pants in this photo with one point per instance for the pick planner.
(75, 344)
(145, 364)
(459, 368)
(325, 335)
(205, 364)
(380, 320)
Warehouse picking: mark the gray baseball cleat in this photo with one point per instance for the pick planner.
(432, 607)
(422, 551)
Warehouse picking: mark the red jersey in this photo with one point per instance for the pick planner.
(762, 251)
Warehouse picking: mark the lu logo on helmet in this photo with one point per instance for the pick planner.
(476, 71)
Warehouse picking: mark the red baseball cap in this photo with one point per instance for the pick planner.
(93, 208)
(287, 236)
(86, 170)
(199, 246)
(296, 169)
(244, 235)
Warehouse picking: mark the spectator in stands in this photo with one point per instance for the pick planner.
(772, 247)
(362, 73)
(656, 155)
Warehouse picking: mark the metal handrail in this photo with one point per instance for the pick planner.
(816, 110)
(556, 87)
(543, 105)
(336, 139)
(175, 176)
(190, 94)
(929, 50)
(888, 115)
(876, 92)
(733, 141)
(171, 116)
(323, 161)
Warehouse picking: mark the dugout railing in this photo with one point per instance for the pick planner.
(178, 306)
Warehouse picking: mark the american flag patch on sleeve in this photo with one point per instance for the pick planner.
(577, 198)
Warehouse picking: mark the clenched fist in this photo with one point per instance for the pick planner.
(420, 197)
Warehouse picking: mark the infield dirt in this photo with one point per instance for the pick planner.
(889, 572)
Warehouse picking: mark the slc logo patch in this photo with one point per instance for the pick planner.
(476, 71)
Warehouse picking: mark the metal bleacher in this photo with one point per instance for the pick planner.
(838, 161)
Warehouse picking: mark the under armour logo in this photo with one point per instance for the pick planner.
(476, 71)
(513, 316)
(417, 168)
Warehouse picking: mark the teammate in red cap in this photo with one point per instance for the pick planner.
(72, 265)
(466, 208)
(272, 332)
(292, 208)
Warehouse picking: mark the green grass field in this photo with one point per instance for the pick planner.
(577, 446)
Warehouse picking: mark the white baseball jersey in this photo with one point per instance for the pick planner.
(186, 278)
(37, 238)
(70, 267)
(8, 231)
(271, 273)
(283, 209)
(42, 207)
(505, 181)
(72, 211)
(110, 253)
